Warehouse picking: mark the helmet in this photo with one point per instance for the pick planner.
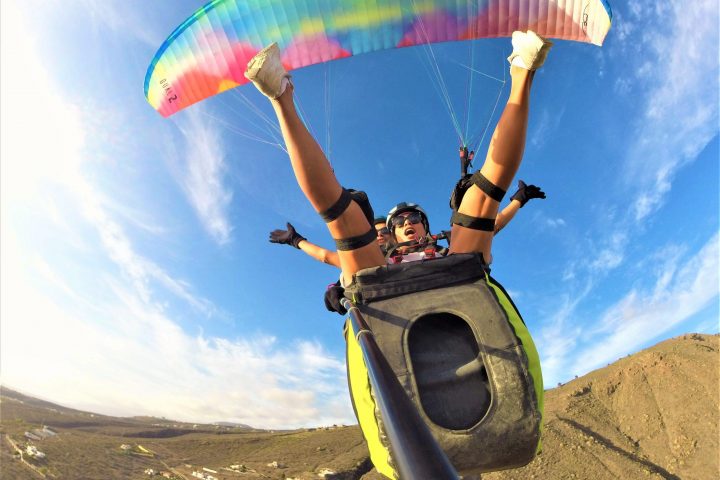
(378, 220)
(407, 207)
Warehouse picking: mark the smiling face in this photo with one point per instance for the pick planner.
(408, 227)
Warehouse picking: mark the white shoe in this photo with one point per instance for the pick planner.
(529, 50)
(267, 73)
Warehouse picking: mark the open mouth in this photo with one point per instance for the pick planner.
(409, 231)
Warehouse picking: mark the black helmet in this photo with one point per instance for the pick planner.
(407, 207)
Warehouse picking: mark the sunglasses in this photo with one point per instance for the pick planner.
(384, 231)
(414, 217)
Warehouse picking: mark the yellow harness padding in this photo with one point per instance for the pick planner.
(364, 405)
(526, 340)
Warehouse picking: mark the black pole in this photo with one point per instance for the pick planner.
(415, 452)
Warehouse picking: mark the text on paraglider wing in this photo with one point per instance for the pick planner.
(169, 94)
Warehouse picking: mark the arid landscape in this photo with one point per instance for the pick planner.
(650, 415)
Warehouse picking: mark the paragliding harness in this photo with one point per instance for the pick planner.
(463, 355)
(428, 245)
(335, 292)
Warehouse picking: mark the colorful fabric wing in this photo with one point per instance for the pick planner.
(208, 53)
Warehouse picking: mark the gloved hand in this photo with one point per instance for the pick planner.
(287, 237)
(332, 298)
(526, 193)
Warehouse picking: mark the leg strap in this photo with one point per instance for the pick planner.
(353, 243)
(475, 223)
(490, 189)
(337, 208)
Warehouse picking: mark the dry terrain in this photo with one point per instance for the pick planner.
(652, 415)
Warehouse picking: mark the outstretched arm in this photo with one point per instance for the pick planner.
(292, 238)
(345, 219)
(507, 214)
(524, 194)
(320, 254)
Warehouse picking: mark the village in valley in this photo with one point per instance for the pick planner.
(44, 440)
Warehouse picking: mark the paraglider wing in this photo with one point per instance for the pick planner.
(207, 54)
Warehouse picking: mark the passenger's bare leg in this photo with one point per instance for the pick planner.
(317, 181)
(501, 163)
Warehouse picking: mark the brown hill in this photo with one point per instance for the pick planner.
(650, 415)
(653, 414)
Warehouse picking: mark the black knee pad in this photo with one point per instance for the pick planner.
(475, 223)
(337, 209)
(490, 189)
(343, 202)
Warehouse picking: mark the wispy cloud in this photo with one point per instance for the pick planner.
(682, 288)
(681, 109)
(560, 335)
(554, 222)
(86, 321)
(545, 126)
(203, 175)
(673, 48)
(610, 255)
(120, 18)
(137, 361)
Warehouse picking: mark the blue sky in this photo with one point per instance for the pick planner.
(136, 274)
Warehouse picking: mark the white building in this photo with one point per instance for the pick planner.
(32, 451)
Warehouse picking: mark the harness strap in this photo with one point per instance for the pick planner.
(337, 208)
(353, 243)
(475, 223)
(490, 189)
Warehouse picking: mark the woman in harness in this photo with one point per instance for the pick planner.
(480, 354)
(396, 243)
(349, 219)
(410, 227)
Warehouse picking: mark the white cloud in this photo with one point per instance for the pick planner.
(682, 288)
(83, 322)
(681, 109)
(545, 126)
(137, 361)
(611, 255)
(203, 172)
(555, 222)
(672, 62)
(120, 18)
(559, 335)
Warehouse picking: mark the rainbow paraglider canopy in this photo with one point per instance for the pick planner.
(207, 54)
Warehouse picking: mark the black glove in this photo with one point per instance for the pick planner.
(526, 193)
(287, 237)
(332, 298)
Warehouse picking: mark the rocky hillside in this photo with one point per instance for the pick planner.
(654, 414)
(651, 415)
